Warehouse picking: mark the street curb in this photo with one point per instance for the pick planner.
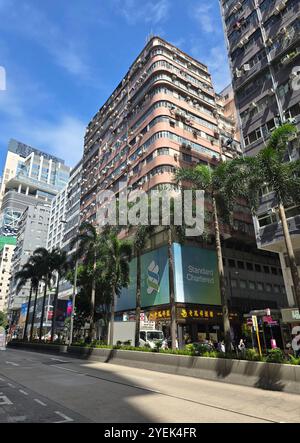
(269, 376)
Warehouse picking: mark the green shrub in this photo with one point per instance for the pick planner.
(275, 356)
(190, 349)
(252, 355)
(294, 361)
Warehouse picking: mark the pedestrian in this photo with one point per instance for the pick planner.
(242, 347)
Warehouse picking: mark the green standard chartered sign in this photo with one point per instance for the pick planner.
(196, 278)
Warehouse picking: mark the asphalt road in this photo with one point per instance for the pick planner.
(57, 389)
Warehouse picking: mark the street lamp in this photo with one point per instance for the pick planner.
(73, 300)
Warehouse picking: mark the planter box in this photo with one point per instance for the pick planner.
(271, 376)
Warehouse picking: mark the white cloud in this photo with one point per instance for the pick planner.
(204, 14)
(32, 24)
(63, 138)
(150, 11)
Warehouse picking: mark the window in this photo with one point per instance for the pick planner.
(233, 283)
(231, 263)
(267, 269)
(241, 265)
(252, 285)
(260, 286)
(249, 266)
(257, 268)
(274, 271)
(268, 287)
(243, 284)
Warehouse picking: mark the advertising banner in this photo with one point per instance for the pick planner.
(196, 278)
(154, 281)
(196, 275)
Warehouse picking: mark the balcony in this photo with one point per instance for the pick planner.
(271, 237)
(284, 43)
(282, 20)
(246, 75)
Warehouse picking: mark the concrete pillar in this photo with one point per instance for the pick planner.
(20, 188)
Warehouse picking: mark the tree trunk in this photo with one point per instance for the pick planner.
(43, 311)
(224, 302)
(112, 318)
(33, 314)
(93, 302)
(54, 309)
(138, 301)
(27, 314)
(172, 290)
(291, 254)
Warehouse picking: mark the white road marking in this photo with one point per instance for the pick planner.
(12, 363)
(65, 369)
(4, 400)
(2, 379)
(39, 402)
(58, 359)
(66, 418)
(23, 392)
(11, 385)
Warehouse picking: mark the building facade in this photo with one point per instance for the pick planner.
(7, 247)
(263, 39)
(165, 115)
(57, 220)
(29, 176)
(32, 234)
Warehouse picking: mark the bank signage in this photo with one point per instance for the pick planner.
(196, 276)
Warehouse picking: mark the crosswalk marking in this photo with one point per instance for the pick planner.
(4, 400)
(65, 417)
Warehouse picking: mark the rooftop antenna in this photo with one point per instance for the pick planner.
(149, 36)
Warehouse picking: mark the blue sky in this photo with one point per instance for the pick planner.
(63, 58)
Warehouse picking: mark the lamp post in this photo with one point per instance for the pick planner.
(73, 300)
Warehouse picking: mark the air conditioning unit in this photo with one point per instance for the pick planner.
(270, 91)
(253, 105)
(238, 73)
(291, 120)
(280, 7)
(246, 67)
(131, 174)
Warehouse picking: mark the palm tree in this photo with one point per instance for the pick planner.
(140, 239)
(43, 262)
(116, 256)
(273, 168)
(90, 243)
(210, 180)
(60, 266)
(28, 272)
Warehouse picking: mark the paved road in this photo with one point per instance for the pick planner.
(48, 388)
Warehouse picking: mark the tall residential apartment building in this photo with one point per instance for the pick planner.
(263, 38)
(163, 115)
